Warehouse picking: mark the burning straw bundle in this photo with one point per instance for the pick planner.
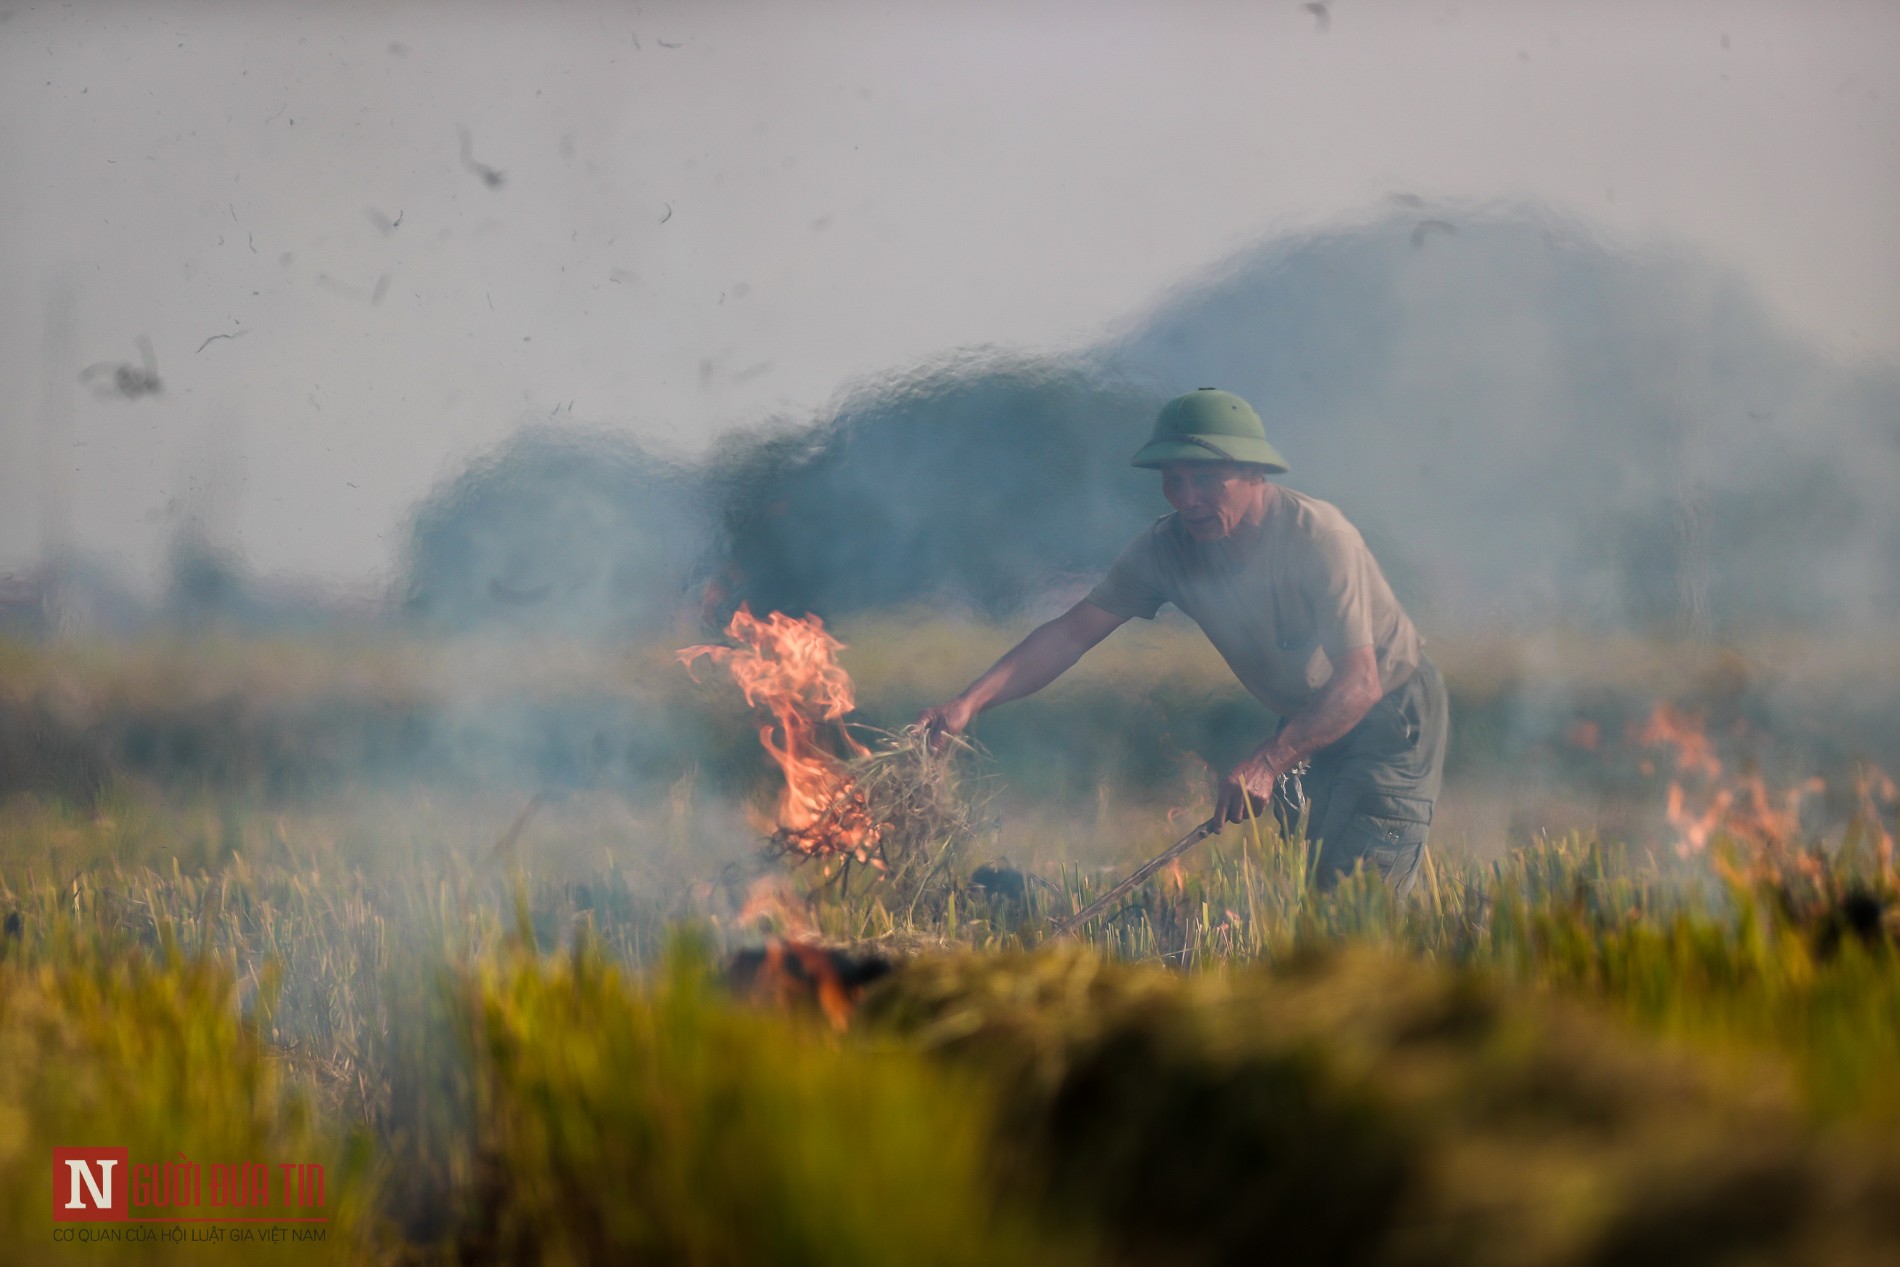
(925, 817)
(892, 811)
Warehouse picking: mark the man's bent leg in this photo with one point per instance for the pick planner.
(1371, 794)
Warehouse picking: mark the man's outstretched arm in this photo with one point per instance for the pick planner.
(1039, 659)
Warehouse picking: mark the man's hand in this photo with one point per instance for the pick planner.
(1045, 655)
(946, 719)
(1253, 779)
(1340, 705)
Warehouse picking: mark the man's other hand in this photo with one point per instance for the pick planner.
(1252, 780)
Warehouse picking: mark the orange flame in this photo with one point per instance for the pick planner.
(1879, 804)
(1584, 734)
(1707, 799)
(788, 669)
(1670, 726)
(793, 974)
(771, 899)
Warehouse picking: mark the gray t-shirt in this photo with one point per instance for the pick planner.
(1301, 594)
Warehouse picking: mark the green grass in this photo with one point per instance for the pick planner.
(147, 1051)
(658, 1122)
(1357, 1106)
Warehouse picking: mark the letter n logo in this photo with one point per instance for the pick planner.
(90, 1185)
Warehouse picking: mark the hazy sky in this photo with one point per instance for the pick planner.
(678, 218)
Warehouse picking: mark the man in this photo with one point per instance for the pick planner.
(1287, 592)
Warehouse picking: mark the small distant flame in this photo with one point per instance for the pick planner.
(1584, 734)
(1879, 805)
(1670, 726)
(789, 971)
(794, 975)
(788, 669)
(772, 900)
(1706, 799)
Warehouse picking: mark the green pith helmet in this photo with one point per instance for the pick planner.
(1209, 426)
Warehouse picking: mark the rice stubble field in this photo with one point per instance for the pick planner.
(459, 924)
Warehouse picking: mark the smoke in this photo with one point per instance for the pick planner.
(559, 533)
(978, 483)
(1531, 426)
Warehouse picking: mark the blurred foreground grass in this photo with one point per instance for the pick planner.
(498, 1020)
(1559, 1057)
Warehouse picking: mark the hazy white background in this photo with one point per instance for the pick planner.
(710, 215)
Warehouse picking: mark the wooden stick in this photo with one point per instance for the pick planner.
(1063, 927)
(507, 842)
